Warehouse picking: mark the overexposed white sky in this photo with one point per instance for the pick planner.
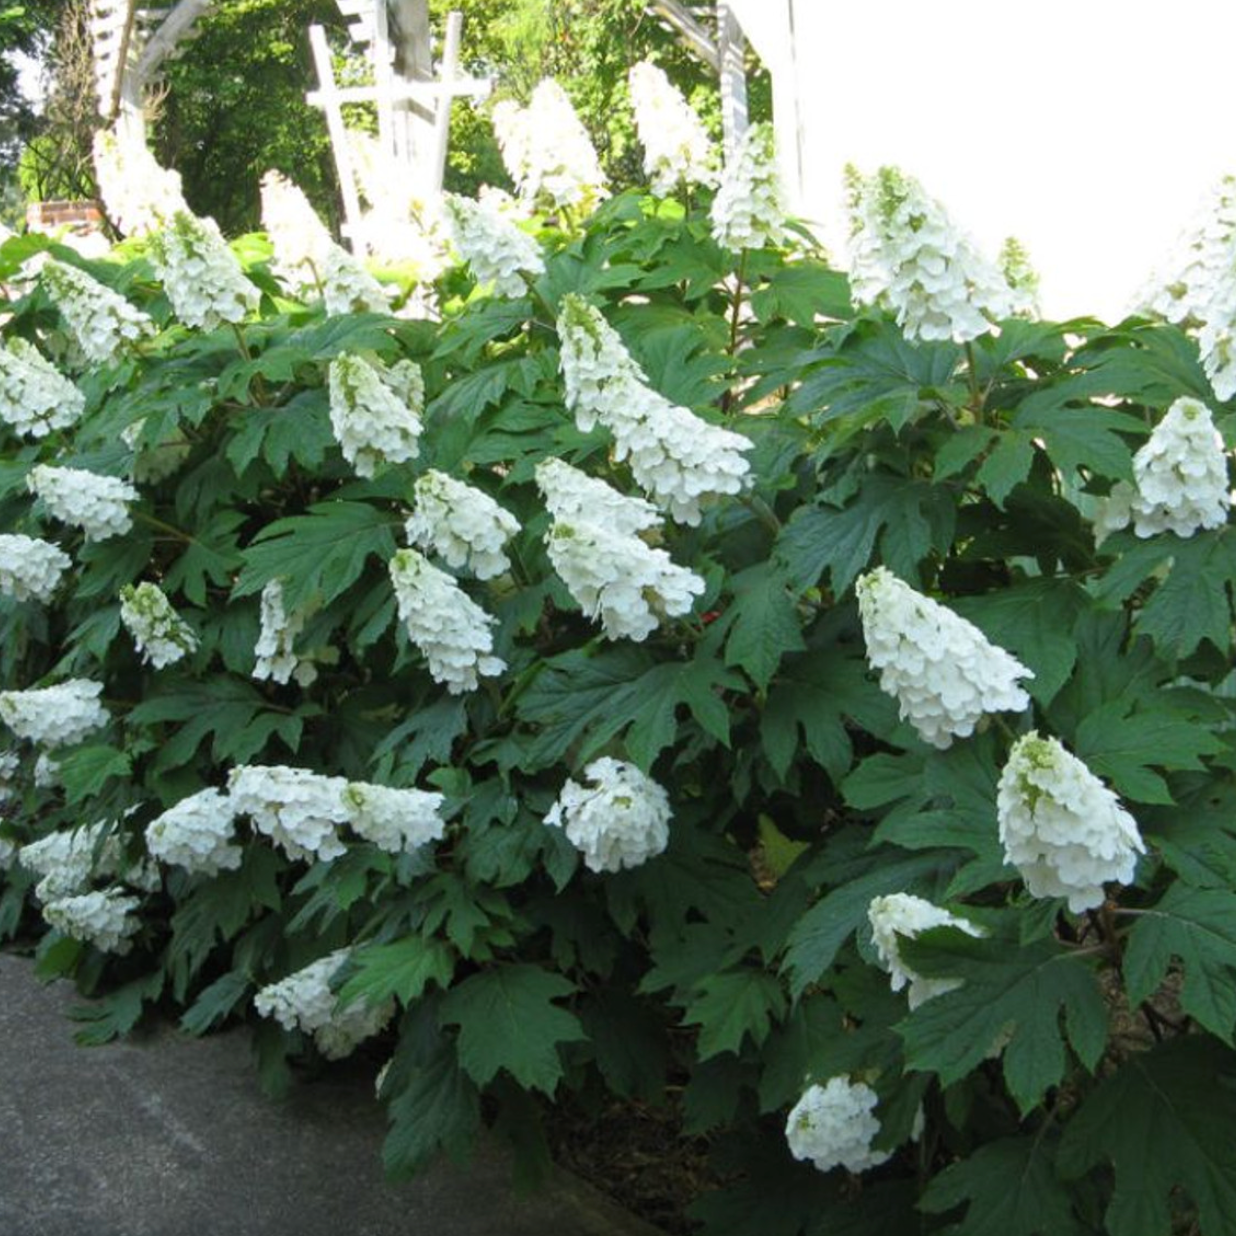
(1089, 129)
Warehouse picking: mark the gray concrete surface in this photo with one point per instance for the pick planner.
(171, 1136)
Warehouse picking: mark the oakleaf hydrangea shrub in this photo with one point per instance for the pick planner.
(651, 678)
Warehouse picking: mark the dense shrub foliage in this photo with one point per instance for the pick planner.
(682, 838)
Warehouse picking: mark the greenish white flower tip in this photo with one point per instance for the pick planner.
(834, 1125)
(161, 635)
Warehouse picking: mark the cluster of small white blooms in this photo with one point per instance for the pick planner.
(304, 1001)
(573, 496)
(198, 834)
(1216, 342)
(201, 275)
(1061, 827)
(35, 397)
(674, 456)
(548, 152)
(676, 146)
(394, 820)
(140, 194)
(300, 239)
(376, 413)
(1020, 275)
(834, 1125)
(106, 918)
(347, 287)
(55, 716)
(66, 861)
(30, 568)
(100, 321)
(942, 670)
(906, 254)
(902, 914)
(621, 819)
(619, 579)
(465, 525)
(162, 636)
(297, 809)
(276, 658)
(155, 463)
(10, 762)
(450, 629)
(495, 247)
(98, 505)
(1180, 479)
(750, 207)
(46, 772)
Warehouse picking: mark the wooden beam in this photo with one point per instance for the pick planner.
(690, 31)
(328, 98)
(731, 48)
(425, 93)
(174, 29)
(448, 69)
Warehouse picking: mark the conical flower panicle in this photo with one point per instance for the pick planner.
(299, 810)
(1061, 827)
(201, 275)
(493, 245)
(750, 209)
(376, 412)
(942, 670)
(30, 569)
(139, 193)
(198, 834)
(101, 322)
(56, 716)
(677, 149)
(300, 239)
(462, 524)
(35, 397)
(162, 636)
(834, 1125)
(902, 914)
(98, 505)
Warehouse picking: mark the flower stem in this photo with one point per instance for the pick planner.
(976, 395)
(168, 528)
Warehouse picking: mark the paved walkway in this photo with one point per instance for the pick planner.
(172, 1137)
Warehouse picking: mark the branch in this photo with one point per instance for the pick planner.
(173, 29)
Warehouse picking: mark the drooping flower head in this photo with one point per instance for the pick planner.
(275, 657)
(906, 255)
(451, 630)
(98, 505)
(462, 524)
(492, 244)
(162, 636)
(834, 1125)
(397, 821)
(35, 397)
(66, 861)
(101, 322)
(106, 918)
(56, 716)
(548, 152)
(1180, 478)
(201, 275)
(347, 287)
(299, 810)
(305, 1001)
(1061, 827)
(300, 239)
(942, 670)
(30, 568)
(376, 412)
(902, 914)
(749, 210)
(573, 496)
(140, 194)
(198, 834)
(677, 149)
(617, 817)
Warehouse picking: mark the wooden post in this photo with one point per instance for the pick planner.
(448, 70)
(328, 99)
(730, 48)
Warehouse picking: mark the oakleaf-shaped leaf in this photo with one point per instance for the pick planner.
(732, 1005)
(402, 969)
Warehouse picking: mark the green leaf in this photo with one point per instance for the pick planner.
(321, 554)
(1086, 438)
(1193, 603)
(300, 430)
(765, 623)
(402, 969)
(800, 291)
(732, 1005)
(1007, 466)
(507, 1020)
(1198, 926)
(1009, 1188)
(1007, 989)
(630, 1043)
(115, 1014)
(84, 771)
(213, 556)
(439, 1109)
(216, 1002)
(1166, 1121)
(960, 448)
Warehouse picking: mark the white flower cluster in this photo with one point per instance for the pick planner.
(493, 245)
(106, 918)
(299, 810)
(30, 568)
(676, 146)
(750, 207)
(547, 151)
(300, 239)
(65, 861)
(55, 716)
(465, 525)
(100, 321)
(906, 254)
(198, 834)
(305, 1001)
(449, 628)
(201, 275)
(10, 763)
(674, 455)
(162, 636)
(942, 670)
(35, 397)
(375, 412)
(902, 914)
(276, 659)
(572, 496)
(347, 287)
(1061, 827)
(46, 772)
(620, 820)
(834, 1125)
(394, 820)
(1180, 478)
(98, 505)
(140, 194)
